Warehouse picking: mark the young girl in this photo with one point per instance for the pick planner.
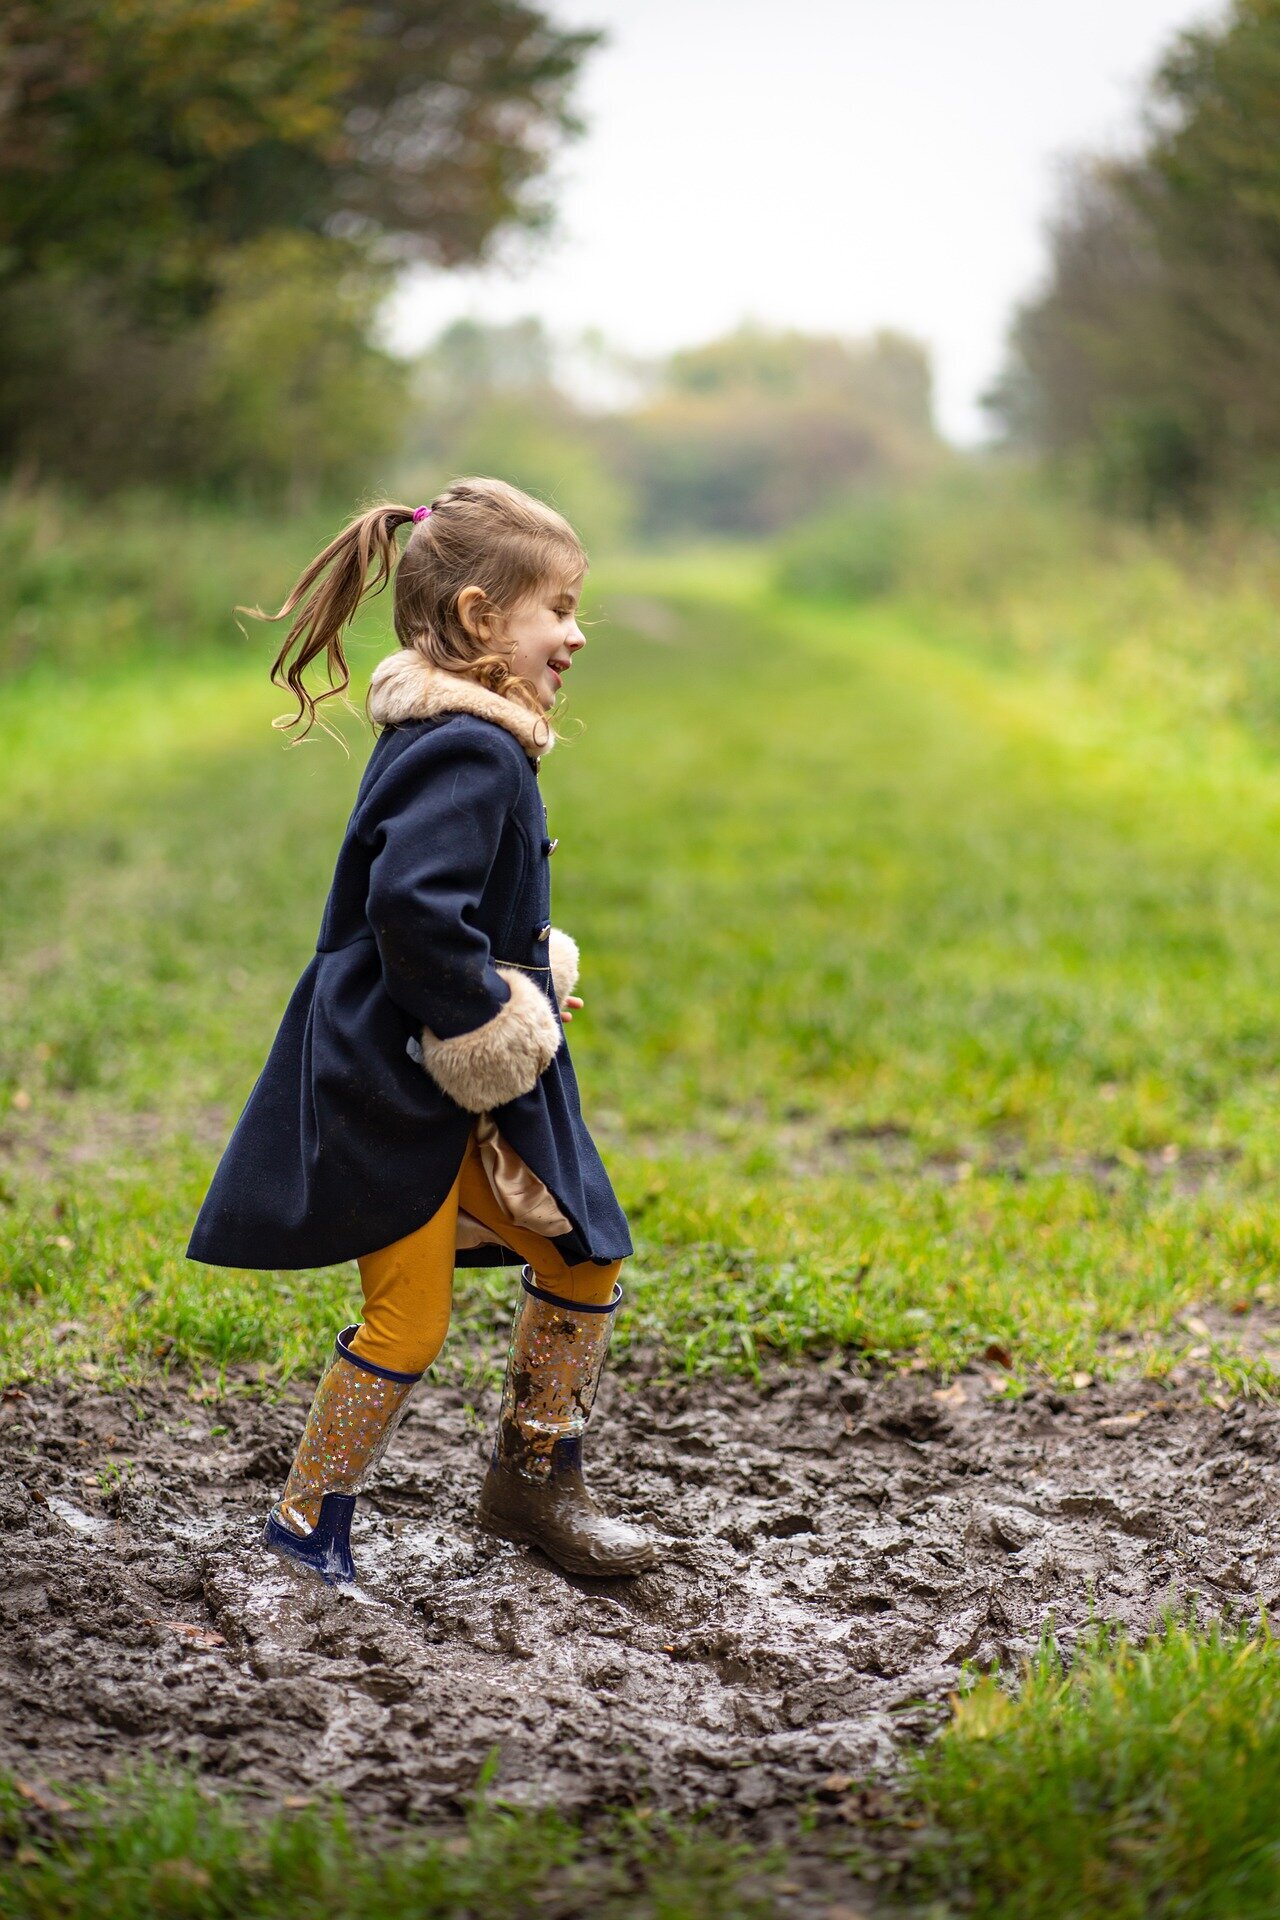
(418, 1109)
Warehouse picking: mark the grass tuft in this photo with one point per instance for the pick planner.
(161, 1848)
(1140, 1780)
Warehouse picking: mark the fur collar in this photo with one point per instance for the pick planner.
(407, 687)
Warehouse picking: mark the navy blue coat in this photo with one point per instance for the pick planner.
(348, 1142)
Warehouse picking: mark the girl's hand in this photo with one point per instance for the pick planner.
(571, 1003)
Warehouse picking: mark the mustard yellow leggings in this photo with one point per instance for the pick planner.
(408, 1286)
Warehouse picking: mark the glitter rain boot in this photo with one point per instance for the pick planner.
(534, 1488)
(356, 1410)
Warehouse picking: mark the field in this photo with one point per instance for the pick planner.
(930, 1037)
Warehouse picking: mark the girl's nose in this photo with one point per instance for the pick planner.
(576, 639)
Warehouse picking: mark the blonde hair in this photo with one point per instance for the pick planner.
(479, 533)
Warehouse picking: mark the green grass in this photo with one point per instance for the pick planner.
(168, 1850)
(1138, 1783)
(930, 998)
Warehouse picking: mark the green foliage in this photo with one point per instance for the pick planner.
(485, 400)
(197, 205)
(970, 536)
(1034, 583)
(1140, 1780)
(753, 431)
(166, 1849)
(300, 403)
(547, 452)
(141, 140)
(1154, 349)
(87, 589)
(855, 550)
(1149, 462)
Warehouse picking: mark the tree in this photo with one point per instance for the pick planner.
(139, 139)
(300, 402)
(156, 155)
(1154, 348)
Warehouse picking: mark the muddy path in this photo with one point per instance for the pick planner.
(836, 1550)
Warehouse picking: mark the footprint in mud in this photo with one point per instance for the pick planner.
(837, 1549)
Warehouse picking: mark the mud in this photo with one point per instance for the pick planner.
(836, 1550)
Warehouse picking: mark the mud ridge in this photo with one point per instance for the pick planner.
(836, 1550)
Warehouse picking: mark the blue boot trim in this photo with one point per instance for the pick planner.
(342, 1351)
(327, 1548)
(530, 1285)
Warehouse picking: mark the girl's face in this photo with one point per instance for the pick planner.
(543, 635)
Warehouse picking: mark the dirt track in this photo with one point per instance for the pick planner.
(837, 1549)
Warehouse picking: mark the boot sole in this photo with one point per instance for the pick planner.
(526, 1536)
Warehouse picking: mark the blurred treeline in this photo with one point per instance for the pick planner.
(205, 203)
(1150, 361)
(744, 435)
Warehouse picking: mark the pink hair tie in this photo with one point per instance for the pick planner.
(421, 513)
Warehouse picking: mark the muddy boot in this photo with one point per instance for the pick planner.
(356, 1410)
(534, 1489)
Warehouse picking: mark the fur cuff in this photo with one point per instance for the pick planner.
(502, 1059)
(563, 955)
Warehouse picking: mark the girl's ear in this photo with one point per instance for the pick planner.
(475, 613)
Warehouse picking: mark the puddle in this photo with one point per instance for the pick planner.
(836, 1551)
(90, 1524)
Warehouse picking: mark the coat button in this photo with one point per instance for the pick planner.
(549, 847)
(543, 932)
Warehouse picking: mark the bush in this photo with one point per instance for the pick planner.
(853, 551)
(970, 535)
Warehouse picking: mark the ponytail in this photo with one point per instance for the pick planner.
(480, 533)
(325, 600)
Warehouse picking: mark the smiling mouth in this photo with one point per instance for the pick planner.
(559, 667)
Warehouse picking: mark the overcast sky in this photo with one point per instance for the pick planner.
(835, 165)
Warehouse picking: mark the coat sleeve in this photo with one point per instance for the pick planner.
(434, 823)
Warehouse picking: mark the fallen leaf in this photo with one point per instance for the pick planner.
(190, 1631)
(42, 1797)
(297, 1800)
(1082, 1379)
(834, 1786)
(15, 1393)
(1194, 1324)
(22, 1100)
(998, 1354)
(1120, 1423)
(180, 1875)
(952, 1396)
